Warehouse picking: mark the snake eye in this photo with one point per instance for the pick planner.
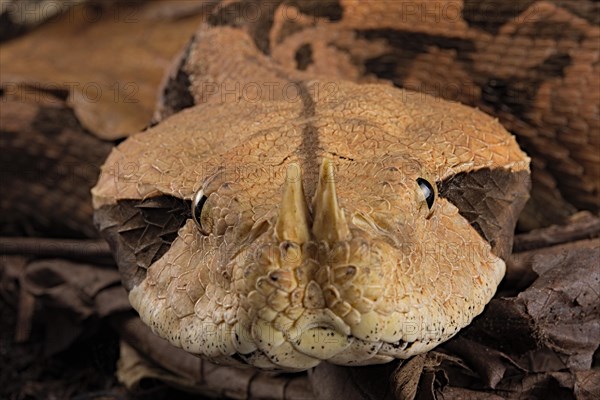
(428, 192)
(197, 205)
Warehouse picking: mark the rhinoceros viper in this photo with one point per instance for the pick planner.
(303, 210)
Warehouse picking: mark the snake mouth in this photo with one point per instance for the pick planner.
(320, 334)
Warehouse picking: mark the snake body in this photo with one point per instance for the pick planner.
(351, 222)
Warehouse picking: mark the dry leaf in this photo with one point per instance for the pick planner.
(110, 59)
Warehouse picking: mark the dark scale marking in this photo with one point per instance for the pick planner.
(140, 232)
(555, 30)
(236, 15)
(490, 15)
(396, 64)
(588, 10)
(516, 95)
(288, 28)
(304, 57)
(332, 10)
(341, 157)
(554, 66)
(488, 199)
(310, 139)
(177, 94)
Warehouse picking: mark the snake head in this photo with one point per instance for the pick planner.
(357, 230)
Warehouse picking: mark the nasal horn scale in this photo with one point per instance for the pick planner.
(294, 219)
(329, 219)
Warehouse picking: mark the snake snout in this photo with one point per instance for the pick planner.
(296, 223)
(319, 288)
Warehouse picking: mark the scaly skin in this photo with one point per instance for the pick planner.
(315, 241)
